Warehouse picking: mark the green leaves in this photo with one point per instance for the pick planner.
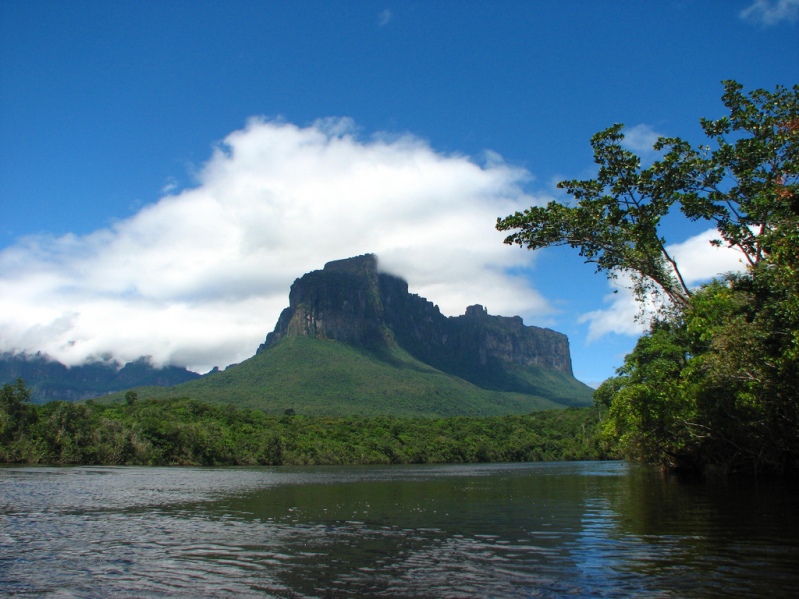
(615, 223)
(713, 385)
(745, 184)
(187, 432)
(749, 181)
(14, 408)
(717, 388)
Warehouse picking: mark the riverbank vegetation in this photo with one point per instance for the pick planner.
(714, 385)
(188, 432)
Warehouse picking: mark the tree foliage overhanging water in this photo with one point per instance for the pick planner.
(714, 385)
(188, 432)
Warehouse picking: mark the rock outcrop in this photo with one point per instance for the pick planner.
(340, 302)
(352, 302)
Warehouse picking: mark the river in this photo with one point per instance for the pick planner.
(575, 529)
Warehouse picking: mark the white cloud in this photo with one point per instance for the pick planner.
(384, 18)
(199, 277)
(640, 139)
(619, 318)
(698, 261)
(771, 12)
(171, 186)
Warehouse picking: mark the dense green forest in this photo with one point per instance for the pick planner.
(714, 385)
(188, 432)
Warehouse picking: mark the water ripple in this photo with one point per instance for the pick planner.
(503, 531)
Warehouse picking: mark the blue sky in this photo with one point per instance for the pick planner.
(168, 168)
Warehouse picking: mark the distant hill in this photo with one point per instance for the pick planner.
(51, 380)
(355, 341)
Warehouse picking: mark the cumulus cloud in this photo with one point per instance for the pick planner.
(640, 138)
(771, 12)
(698, 260)
(199, 277)
(620, 317)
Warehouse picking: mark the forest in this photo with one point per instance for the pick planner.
(186, 432)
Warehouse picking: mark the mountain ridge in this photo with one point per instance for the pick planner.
(49, 379)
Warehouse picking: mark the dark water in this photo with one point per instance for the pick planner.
(523, 530)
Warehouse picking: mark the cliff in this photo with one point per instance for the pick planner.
(352, 302)
(341, 302)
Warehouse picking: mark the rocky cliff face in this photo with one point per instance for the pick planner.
(508, 340)
(341, 302)
(350, 301)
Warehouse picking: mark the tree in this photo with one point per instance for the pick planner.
(714, 384)
(648, 409)
(746, 186)
(14, 409)
(17, 416)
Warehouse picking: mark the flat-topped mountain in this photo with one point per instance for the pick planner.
(352, 302)
(353, 340)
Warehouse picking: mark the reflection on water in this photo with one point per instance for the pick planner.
(523, 530)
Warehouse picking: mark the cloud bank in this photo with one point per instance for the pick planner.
(199, 277)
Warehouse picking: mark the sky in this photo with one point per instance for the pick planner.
(169, 168)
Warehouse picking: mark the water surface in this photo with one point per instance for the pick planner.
(584, 529)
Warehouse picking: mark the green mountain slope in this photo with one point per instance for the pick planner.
(326, 377)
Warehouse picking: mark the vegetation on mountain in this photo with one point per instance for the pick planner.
(188, 432)
(714, 384)
(324, 377)
(350, 301)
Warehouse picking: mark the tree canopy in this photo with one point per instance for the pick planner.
(744, 182)
(714, 384)
(182, 431)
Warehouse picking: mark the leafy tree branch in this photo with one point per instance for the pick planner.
(714, 385)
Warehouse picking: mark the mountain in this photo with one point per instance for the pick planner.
(51, 380)
(355, 341)
(350, 301)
